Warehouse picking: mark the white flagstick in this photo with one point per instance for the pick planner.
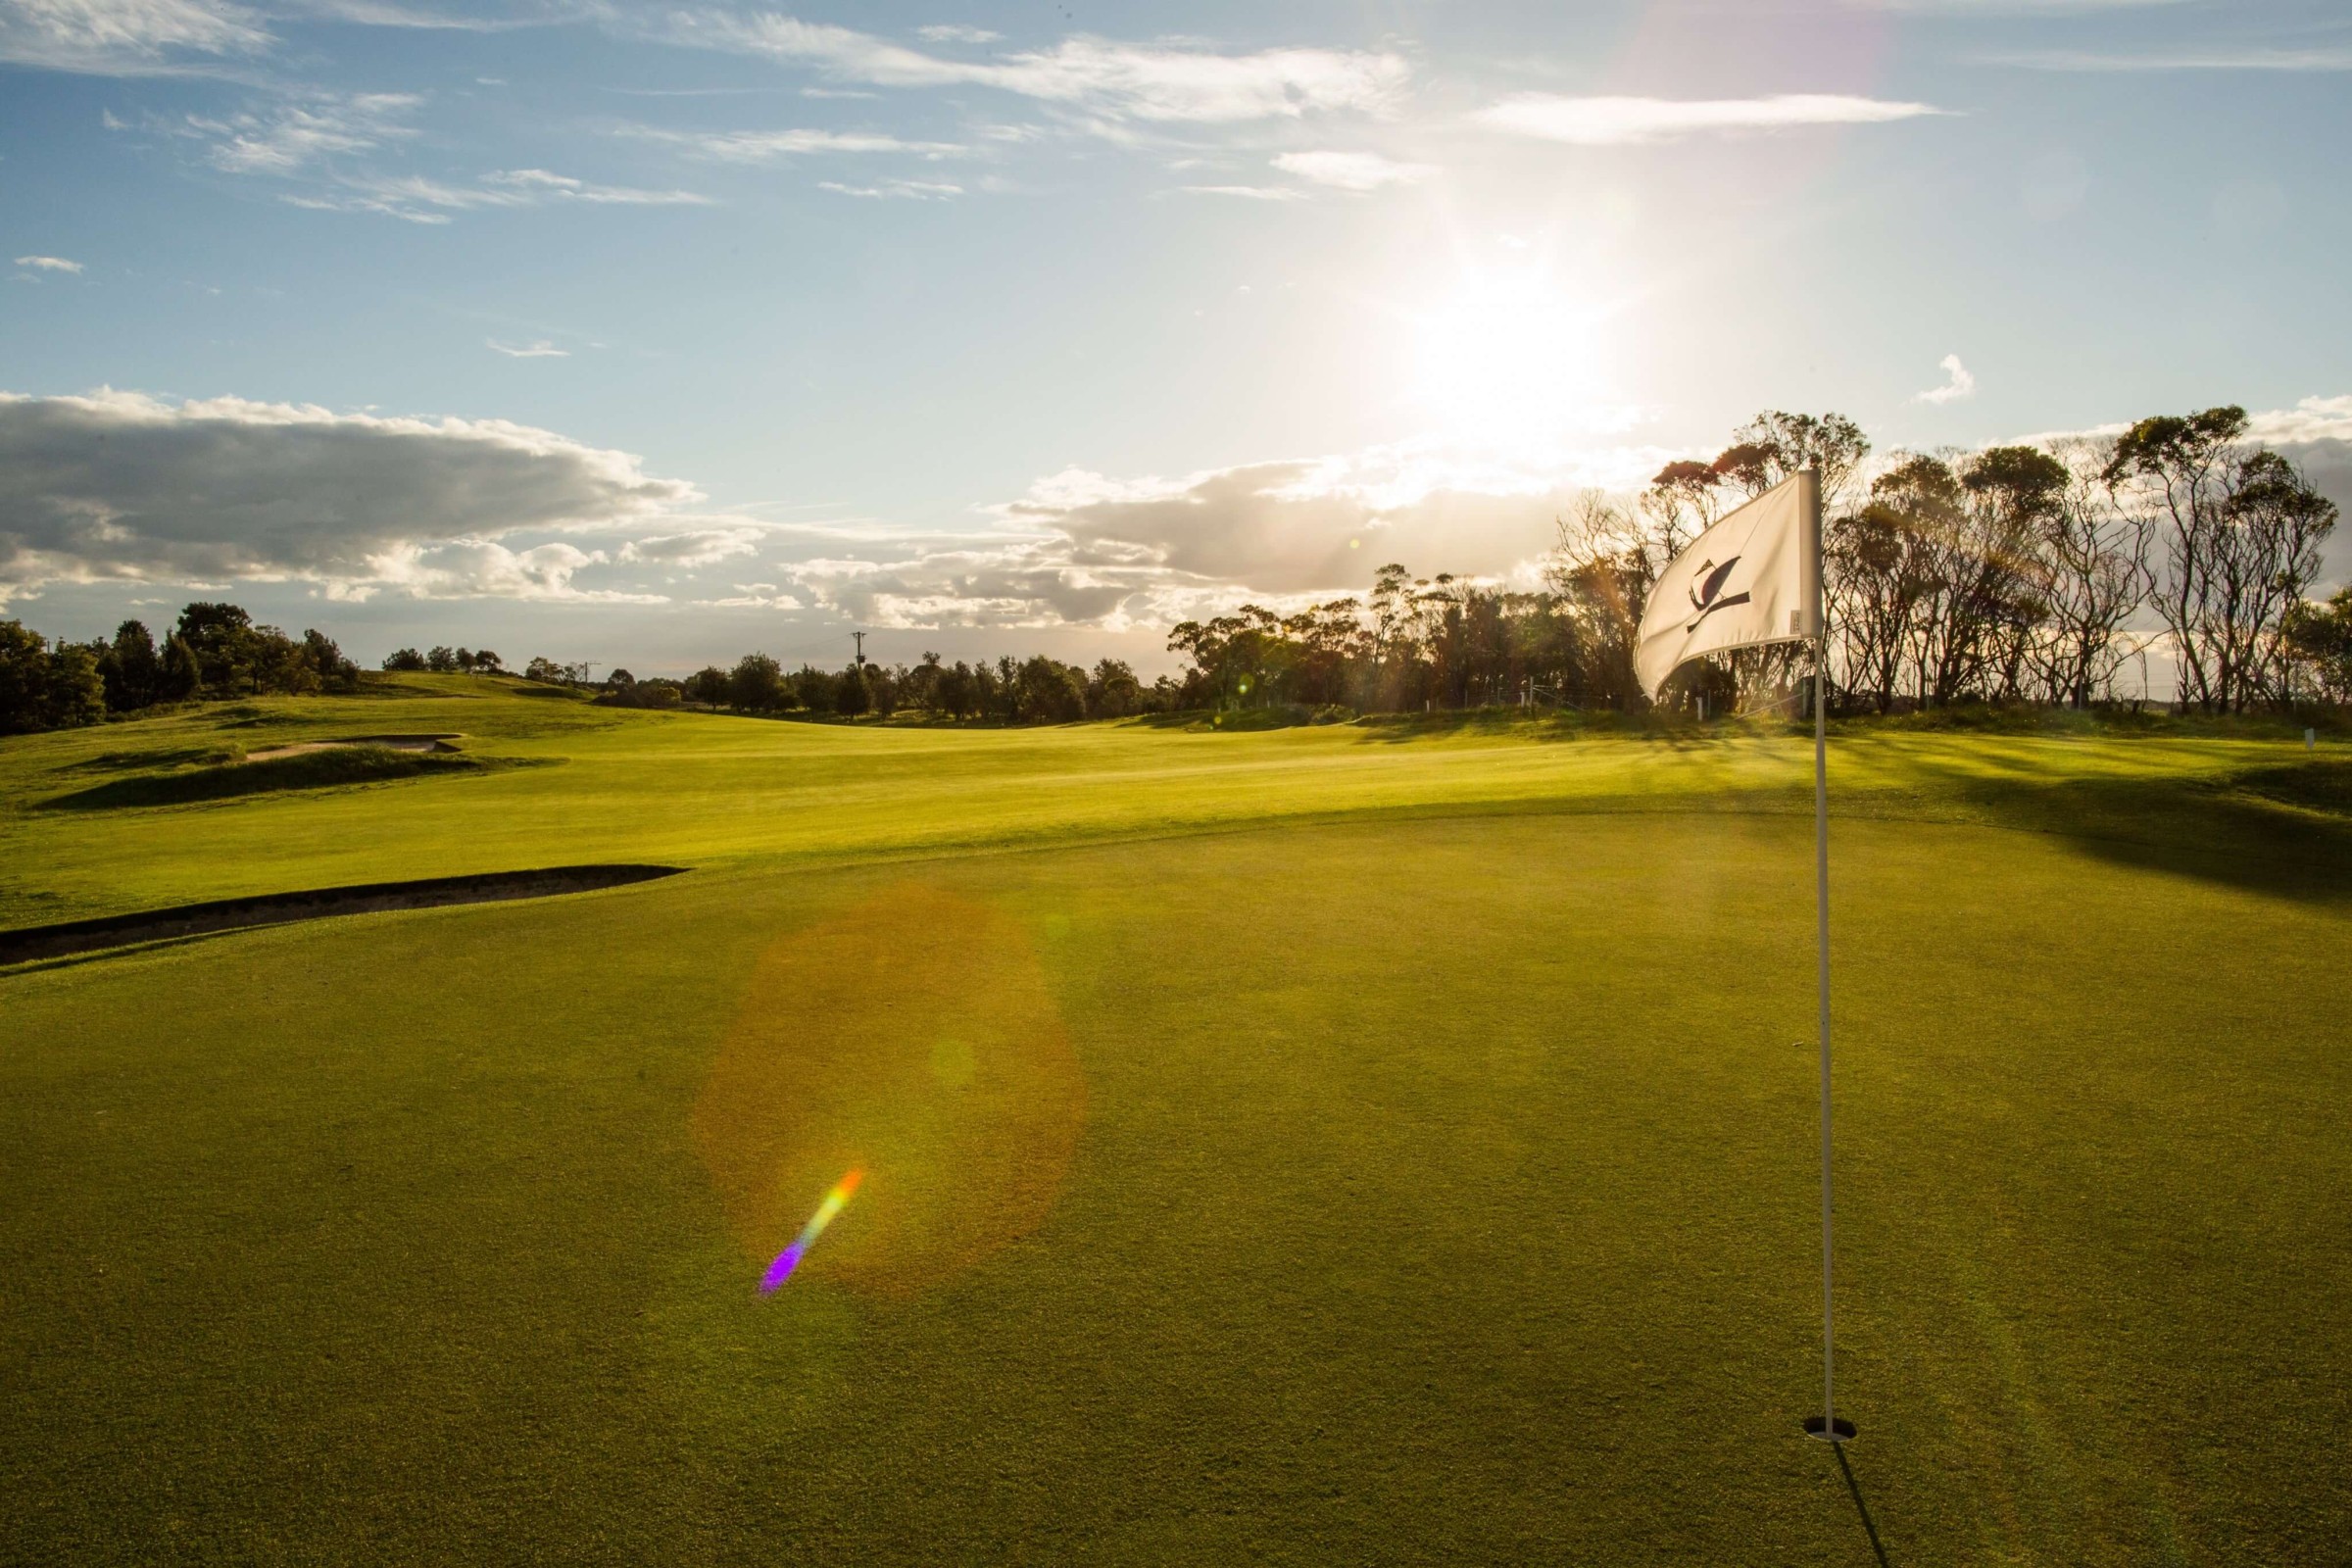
(1828, 1427)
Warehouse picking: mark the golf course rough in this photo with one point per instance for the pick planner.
(1334, 1144)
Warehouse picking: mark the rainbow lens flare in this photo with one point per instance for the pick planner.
(790, 1258)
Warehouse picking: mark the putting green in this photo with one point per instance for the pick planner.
(1308, 1147)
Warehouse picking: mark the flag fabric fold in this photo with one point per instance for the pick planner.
(1745, 582)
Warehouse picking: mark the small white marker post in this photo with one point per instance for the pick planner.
(2310, 740)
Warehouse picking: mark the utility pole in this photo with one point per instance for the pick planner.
(860, 637)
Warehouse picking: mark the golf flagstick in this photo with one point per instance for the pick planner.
(1825, 1426)
(1754, 580)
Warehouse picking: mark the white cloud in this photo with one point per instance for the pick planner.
(2304, 59)
(127, 37)
(1084, 549)
(914, 190)
(1625, 122)
(2313, 419)
(541, 350)
(323, 145)
(957, 32)
(418, 199)
(538, 185)
(48, 264)
(700, 547)
(119, 486)
(1958, 382)
(1255, 193)
(1358, 172)
(1114, 80)
(755, 596)
(759, 146)
(485, 568)
(293, 137)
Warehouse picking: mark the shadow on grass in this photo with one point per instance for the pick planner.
(311, 770)
(1854, 1487)
(2284, 831)
(160, 757)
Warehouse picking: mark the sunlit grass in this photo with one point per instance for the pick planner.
(1307, 1146)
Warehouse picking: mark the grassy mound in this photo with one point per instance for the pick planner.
(2316, 786)
(311, 770)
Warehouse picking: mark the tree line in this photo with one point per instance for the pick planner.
(1037, 690)
(2008, 574)
(213, 651)
(2012, 574)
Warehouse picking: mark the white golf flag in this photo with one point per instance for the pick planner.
(1746, 581)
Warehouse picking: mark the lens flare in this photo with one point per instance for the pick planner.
(790, 1258)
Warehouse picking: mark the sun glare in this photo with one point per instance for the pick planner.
(1507, 357)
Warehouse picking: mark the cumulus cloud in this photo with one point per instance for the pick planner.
(1358, 172)
(485, 568)
(48, 264)
(119, 486)
(129, 37)
(1116, 80)
(1958, 382)
(1623, 122)
(1080, 548)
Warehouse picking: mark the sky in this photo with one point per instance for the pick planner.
(658, 335)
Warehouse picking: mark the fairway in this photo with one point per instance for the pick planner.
(1347, 1144)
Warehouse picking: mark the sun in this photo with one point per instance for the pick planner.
(1506, 356)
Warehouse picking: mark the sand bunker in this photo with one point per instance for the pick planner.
(277, 909)
(390, 743)
(915, 1038)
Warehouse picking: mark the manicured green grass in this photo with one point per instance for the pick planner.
(1312, 1146)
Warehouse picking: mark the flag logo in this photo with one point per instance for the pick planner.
(1708, 597)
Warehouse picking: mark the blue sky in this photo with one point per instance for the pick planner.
(656, 335)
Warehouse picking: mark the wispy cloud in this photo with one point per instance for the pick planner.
(293, 136)
(537, 184)
(48, 264)
(1958, 382)
(420, 199)
(129, 37)
(1115, 80)
(957, 32)
(2337, 57)
(541, 350)
(915, 190)
(762, 146)
(1358, 172)
(1623, 122)
(1254, 193)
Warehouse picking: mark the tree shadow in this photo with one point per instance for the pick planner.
(2277, 830)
